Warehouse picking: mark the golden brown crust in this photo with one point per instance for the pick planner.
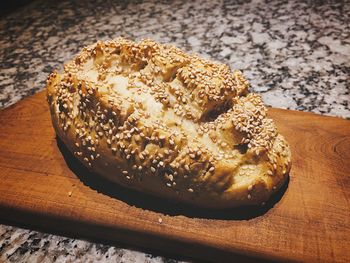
(155, 119)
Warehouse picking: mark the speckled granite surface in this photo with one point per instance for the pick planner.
(296, 54)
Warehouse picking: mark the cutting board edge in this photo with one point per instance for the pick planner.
(174, 246)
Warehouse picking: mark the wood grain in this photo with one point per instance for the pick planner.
(308, 220)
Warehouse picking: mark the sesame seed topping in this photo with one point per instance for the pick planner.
(202, 104)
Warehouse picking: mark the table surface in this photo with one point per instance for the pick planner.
(296, 55)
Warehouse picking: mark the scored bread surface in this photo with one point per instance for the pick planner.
(158, 120)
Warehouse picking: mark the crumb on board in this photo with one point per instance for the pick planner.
(160, 220)
(70, 193)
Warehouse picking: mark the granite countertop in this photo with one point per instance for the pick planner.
(295, 54)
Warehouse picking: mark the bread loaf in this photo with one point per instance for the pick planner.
(155, 119)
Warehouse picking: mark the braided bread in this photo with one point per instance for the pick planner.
(158, 120)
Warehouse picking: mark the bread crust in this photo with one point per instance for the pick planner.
(155, 119)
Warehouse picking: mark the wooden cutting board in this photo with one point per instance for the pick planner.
(43, 187)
